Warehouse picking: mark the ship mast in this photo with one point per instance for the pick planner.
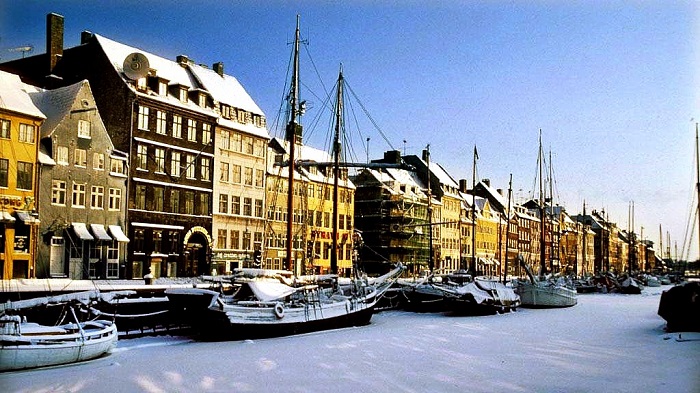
(543, 262)
(473, 263)
(293, 128)
(336, 170)
(697, 164)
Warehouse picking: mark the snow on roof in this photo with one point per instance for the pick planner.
(225, 89)
(248, 128)
(442, 175)
(56, 104)
(14, 96)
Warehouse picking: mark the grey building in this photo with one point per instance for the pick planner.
(82, 189)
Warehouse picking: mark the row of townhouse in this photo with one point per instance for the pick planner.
(481, 229)
(176, 175)
(192, 186)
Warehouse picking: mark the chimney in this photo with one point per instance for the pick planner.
(182, 60)
(218, 68)
(487, 182)
(425, 155)
(54, 39)
(463, 185)
(85, 37)
(392, 157)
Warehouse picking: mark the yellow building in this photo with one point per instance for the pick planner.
(312, 216)
(487, 228)
(19, 129)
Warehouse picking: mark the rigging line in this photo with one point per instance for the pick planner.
(374, 123)
(351, 150)
(313, 65)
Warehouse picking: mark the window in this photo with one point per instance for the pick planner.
(98, 161)
(139, 242)
(116, 166)
(223, 203)
(4, 129)
(224, 172)
(204, 204)
(177, 126)
(235, 237)
(248, 176)
(58, 192)
(62, 155)
(158, 197)
(115, 199)
(204, 168)
(202, 100)
(161, 123)
(174, 237)
(97, 197)
(259, 148)
(235, 204)
(241, 116)
(191, 130)
(160, 159)
(80, 158)
(83, 129)
(183, 94)
(189, 202)
(78, 195)
(225, 111)
(142, 157)
(225, 139)
(4, 171)
(141, 84)
(258, 208)
(26, 133)
(236, 175)
(175, 164)
(162, 88)
(25, 174)
(143, 118)
(157, 240)
(191, 167)
(140, 199)
(175, 201)
(221, 238)
(236, 141)
(248, 145)
(246, 240)
(206, 133)
(259, 177)
(247, 207)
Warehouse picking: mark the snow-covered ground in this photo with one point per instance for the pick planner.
(607, 343)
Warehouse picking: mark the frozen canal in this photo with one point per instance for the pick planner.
(607, 343)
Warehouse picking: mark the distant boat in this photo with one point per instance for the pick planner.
(540, 292)
(29, 345)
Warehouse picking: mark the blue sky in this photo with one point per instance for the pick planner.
(612, 85)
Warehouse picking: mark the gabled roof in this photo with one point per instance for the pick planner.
(56, 104)
(225, 89)
(14, 96)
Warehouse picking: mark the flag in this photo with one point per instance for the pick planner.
(476, 154)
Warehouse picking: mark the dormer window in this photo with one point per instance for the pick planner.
(162, 88)
(225, 111)
(141, 84)
(183, 94)
(202, 100)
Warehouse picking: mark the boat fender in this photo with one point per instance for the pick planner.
(279, 310)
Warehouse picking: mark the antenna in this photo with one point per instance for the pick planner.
(135, 66)
(24, 49)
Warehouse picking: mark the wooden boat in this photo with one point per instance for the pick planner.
(544, 293)
(264, 308)
(28, 345)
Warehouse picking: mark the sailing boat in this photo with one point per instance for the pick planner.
(680, 305)
(267, 308)
(29, 344)
(540, 292)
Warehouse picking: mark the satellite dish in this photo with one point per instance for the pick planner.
(136, 66)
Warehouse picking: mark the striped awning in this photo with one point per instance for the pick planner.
(81, 231)
(100, 233)
(118, 234)
(6, 217)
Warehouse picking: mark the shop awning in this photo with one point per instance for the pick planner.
(6, 217)
(27, 218)
(81, 230)
(100, 233)
(118, 234)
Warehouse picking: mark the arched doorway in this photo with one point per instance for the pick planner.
(197, 245)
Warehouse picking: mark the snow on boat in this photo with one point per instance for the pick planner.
(544, 293)
(264, 308)
(28, 345)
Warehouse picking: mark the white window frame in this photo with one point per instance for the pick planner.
(98, 161)
(80, 158)
(84, 129)
(177, 126)
(143, 118)
(161, 123)
(61, 155)
(58, 192)
(115, 199)
(97, 197)
(78, 195)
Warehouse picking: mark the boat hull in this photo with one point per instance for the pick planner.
(545, 295)
(41, 350)
(680, 307)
